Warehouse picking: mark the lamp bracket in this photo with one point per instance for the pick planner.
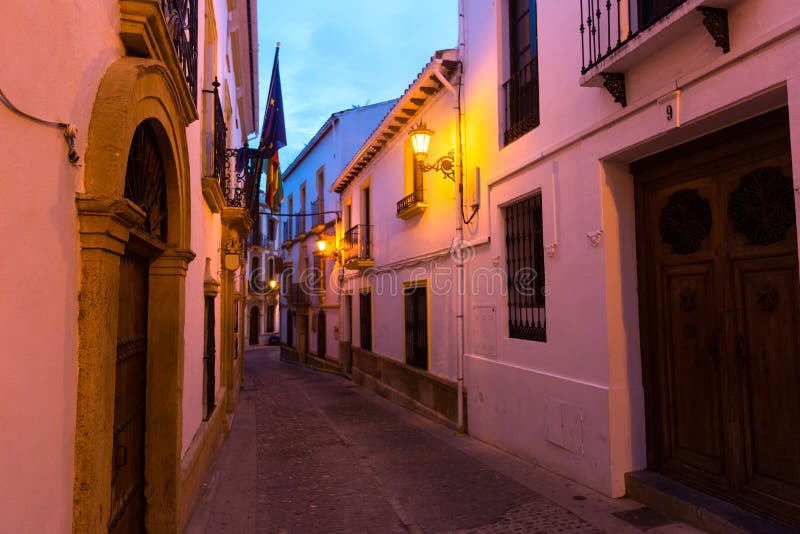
(445, 165)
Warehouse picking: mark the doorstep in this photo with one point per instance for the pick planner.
(676, 500)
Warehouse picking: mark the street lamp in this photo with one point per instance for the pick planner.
(273, 284)
(322, 245)
(420, 140)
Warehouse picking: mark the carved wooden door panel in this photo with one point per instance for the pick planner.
(127, 468)
(720, 320)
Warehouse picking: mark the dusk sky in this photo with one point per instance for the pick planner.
(339, 53)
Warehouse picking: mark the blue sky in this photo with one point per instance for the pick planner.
(339, 53)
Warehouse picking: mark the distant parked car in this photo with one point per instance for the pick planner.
(274, 339)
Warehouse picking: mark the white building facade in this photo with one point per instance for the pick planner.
(632, 250)
(310, 301)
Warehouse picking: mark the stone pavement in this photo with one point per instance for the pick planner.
(312, 452)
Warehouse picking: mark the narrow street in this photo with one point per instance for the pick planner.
(312, 452)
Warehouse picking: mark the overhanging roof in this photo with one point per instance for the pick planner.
(425, 86)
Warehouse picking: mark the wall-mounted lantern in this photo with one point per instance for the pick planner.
(420, 140)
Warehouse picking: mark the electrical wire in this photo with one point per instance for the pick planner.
(70, 130)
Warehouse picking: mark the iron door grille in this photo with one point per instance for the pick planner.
(416, 311)
(525, 270)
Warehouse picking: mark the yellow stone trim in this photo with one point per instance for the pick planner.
(212, 192)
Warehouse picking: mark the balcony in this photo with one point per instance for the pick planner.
(300, 225)
(167, 31)
(411, 205)
(287, 232)
(616, 36)
(317, 215)
(357, 247)
(297, 296)
(259, 240)
(522, 101)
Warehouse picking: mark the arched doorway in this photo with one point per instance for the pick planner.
(255, 321)
(145, 187)
(132, 302)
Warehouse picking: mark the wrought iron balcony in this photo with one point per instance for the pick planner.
(260, 240)
(412, 204)
(607, 26)
(297, 296)
(181, 19)
(522, 101)
(300, 223)
(317, 217)
(357, 247)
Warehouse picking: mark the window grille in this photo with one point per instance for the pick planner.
(525, 269)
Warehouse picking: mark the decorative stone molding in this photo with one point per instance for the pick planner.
(212, 192)
(105, 222)
(210, 284)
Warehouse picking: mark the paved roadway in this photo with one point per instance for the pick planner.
(311, 452)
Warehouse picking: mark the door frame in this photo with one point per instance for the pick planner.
(132, 90)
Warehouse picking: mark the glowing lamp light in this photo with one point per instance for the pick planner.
(273, 284)
(322, 244)
(420, 139)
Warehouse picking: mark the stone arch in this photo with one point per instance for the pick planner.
(132, 91)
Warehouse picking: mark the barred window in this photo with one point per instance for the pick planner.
(525, 266)
(319, 274)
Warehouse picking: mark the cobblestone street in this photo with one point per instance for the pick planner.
(312, 452)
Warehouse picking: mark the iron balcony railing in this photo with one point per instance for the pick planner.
(260, 240)
(287, 231)
(408, 201)
(357, 243)
(217, 144)
(317, 215)
(522, 101)
(606, 26)
(297, 295)
(300, 223)
(181, 19)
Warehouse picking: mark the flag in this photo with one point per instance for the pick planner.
(274, 182)
(273, 131)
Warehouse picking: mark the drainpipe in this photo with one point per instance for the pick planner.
(460, 342)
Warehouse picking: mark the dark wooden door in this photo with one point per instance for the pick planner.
(416, 327)
(321, 335)
(365, 319)
(127, 468)
(721, 315)
(255, 322)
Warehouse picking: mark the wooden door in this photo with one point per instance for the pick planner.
(720, 315)
(416, 327)
(321, 334)
(127, 469)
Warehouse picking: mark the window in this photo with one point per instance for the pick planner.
(209, 386)
(525, 266)
(416, 326)
(272, 225)
(522, 87)
(270, 319)
(319, 274)
(365, 316)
